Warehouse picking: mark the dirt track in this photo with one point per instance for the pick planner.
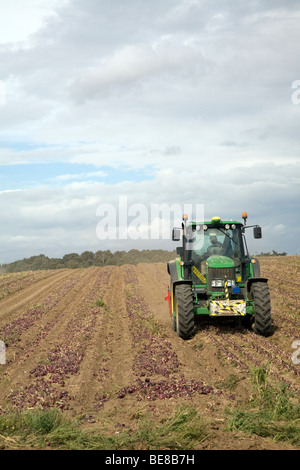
(94, 340)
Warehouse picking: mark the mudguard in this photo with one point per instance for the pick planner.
(175, 279)
(252, 280)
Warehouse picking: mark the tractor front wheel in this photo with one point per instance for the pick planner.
(262, 309)
(184, 308)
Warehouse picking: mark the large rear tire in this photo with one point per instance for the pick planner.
(262, 309)
(185, 320)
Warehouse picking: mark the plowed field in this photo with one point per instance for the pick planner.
(97, 344)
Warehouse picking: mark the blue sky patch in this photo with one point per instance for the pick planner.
(21, 146)
(25, 176)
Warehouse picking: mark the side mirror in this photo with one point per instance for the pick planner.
(257, 232)
(176, 234)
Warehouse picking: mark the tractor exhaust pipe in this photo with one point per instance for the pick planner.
(184, 243)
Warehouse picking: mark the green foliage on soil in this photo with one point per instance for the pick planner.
(50, 428)
(273, 412)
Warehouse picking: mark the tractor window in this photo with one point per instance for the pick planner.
(216, 241)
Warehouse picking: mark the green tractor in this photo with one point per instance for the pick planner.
(215, 276)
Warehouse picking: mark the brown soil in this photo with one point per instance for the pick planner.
(98, 344)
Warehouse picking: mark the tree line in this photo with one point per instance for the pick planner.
(100, 258)
(274, 253)
(87, 259)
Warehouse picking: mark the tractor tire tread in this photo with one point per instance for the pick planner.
(262, 306)
(185, 306)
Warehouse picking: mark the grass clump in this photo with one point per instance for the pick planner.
(28, 428)
(34, 421)
(100, 303)
(38, 428)
(185, 429)
(273, 410)
(230, 383)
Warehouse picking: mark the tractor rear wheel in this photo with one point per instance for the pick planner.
(262, 309)
(185, 320)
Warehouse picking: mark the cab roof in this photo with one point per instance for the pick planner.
(216, 223)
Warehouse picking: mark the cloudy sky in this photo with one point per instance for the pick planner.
(187, 102)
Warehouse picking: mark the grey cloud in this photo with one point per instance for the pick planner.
(94, 47)
(206, 83)
(173, 150)
(131, 63)
(64, 219)
(232, 143)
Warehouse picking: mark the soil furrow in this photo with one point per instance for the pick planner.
(31, 294)
(34, 343)
(98, 344)
(107, 366)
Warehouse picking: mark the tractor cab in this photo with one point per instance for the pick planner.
(215, 243)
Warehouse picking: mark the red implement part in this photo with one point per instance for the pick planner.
(168, 298)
